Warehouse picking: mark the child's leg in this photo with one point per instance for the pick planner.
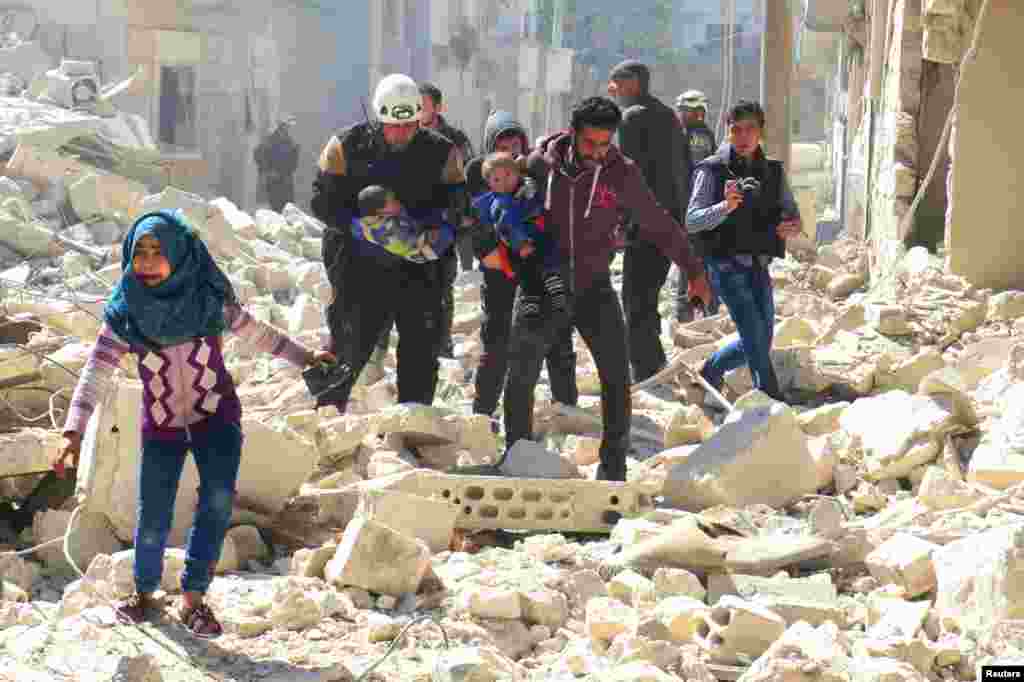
(554, 287)
(531, 288)
(159, 473)
(218, 454)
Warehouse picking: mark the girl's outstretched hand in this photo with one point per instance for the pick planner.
(70, 447)
(323, 356)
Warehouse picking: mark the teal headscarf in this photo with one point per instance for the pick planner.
(187, 305)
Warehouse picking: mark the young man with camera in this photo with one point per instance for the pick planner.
(742, 210)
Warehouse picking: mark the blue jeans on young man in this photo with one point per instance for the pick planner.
(747, 293)
(218, 454)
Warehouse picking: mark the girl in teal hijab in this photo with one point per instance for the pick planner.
(188, 304)
(171, 308)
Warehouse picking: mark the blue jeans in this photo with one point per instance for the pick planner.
(218, 454)
(747, 293)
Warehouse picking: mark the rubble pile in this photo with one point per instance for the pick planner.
(870, 529)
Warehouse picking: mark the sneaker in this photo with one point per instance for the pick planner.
(200, 621)
(136, 609)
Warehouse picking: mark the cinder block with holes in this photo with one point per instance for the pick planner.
(534, 504)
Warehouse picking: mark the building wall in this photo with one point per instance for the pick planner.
(985, 241)
(325, 78)
(894, 174)
(255, 61)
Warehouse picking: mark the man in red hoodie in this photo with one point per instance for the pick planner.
(587, 183)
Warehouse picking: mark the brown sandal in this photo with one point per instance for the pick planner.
(200, 621)
(136, 609)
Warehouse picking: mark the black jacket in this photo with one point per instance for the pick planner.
(456, 136)
(650, 134)
(498, 123)
(751, 228)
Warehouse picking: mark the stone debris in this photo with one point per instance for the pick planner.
(868, 530)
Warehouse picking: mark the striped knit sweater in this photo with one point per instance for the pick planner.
(186, 388)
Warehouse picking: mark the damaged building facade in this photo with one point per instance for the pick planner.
(901, 63)
(213, 77)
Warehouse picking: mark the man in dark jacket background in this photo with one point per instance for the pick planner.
(650, 134)
(698, 144)
(502, 133)
(277, 159)
(432, 118)
(588, 181)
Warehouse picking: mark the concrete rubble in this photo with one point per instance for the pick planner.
(868, 530)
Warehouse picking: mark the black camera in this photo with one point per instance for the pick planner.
(750, 186)
(330, 383)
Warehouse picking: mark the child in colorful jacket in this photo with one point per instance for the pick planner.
(384, 222)
(515, 209)
(171, 308)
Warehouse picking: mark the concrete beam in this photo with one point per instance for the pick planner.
(777, 78)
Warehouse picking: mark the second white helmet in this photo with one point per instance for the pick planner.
(692, 99)
(397, 99)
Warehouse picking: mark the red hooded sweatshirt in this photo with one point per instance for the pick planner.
(583, 211)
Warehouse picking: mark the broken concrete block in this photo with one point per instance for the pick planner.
(683, 616)
(894, 618)
(904, 560)
(631, 588)
(92, 535)
(304, 315)
(898, 431)
(768, 554)
(585, 450)
(249, 544)
(682, 544)
(890, 320)
(310, 563)
(687, 426)
(488, 602)
(545, 607)
(794, 331)
(677, 582)
(826, 519)
(418, 424)
(760, 458)
(206, 218)
(106, 196)
(341, 436)
(803, 654)
(977, 579)
(1006, 305)
(386, 463)
(609, 618)
(27, 451)
(735, 629)
(378, 558)
(431, 521)
(823, 420)
(825, 456)
(637, 671)
(528, 459)
(463, 665)
(811, 589)
(939, 491)
(845, 284)
(16, 570)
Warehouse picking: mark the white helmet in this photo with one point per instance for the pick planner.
(397, 99)
(692, 99)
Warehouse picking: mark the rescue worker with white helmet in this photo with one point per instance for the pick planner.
(370, 285)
